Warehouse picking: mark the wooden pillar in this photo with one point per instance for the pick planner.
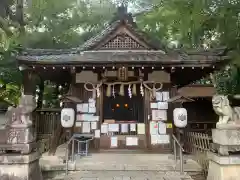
(146, 119)
(28, 83)
(40, 98)
(177, 131)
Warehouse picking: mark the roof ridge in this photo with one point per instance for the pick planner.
(33, 52)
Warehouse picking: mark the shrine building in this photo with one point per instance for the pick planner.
(120, 83)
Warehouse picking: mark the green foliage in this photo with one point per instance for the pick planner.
(69, 23)
(65, 24)
(10, 30)
(196, 24)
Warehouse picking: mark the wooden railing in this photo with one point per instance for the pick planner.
(198, 144)
(46, 122)
(201, 127)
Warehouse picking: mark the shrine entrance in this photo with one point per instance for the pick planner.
(123, 107)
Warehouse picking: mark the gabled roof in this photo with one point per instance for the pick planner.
(112, 31)
(122, 20)
(112, 46)
(125, 56)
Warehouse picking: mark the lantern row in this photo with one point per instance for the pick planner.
(113, 67)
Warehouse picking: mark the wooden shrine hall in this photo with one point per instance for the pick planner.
(120, 82)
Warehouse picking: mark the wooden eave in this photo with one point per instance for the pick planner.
(197, 91)
(111, 57)
(69, 98)
(180, 99)
(191, 92)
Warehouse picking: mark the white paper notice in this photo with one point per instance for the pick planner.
(95, 118)
(92, 110)
(91, 100)
(114, 142)
(86, 127)
(153, 128)
(87, 117)
(133, 127)
(159, 96)
(79, 107)
(78, 124)
(154, 139)
(158, 115)
(124, 128)
(85, 107)
(104, 128)
(113, 127)
(162, 105)
(132, 141)
(141, 128)
(162, 129)
(97, 133)
(160, 139)
(163, 139)
(79, 117)
(93, 125)
(153, 105)
(165, 96)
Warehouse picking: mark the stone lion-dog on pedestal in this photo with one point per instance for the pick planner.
(227, 114)
(18, 133)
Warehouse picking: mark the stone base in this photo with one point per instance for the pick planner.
(226, 137)
(20, 167)
(229, 125)
(223, 167)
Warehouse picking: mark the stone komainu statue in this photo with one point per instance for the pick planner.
(227, 114)
(18, 133)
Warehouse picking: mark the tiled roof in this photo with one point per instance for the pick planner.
(137, 56)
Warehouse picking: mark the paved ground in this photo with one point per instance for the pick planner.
(127, 175)
(122, 166)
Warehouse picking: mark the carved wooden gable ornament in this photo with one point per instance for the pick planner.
(121, 34)
(123, 39)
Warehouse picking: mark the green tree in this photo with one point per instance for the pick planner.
(64, 24)
(11, 27)
(197, 24)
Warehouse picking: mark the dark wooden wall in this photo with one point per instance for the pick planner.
(201, 116)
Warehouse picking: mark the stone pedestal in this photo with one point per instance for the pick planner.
(20, 138)
(223, 167)
(20, 167)
(226, 139)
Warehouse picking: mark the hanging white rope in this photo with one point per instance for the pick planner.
(143, 84)
(129, 91)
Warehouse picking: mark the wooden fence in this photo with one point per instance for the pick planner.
(46, 122)
(198, 144)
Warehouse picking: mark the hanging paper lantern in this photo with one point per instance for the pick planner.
(180, 117)
(67, 117)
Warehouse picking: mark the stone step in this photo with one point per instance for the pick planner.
(124, 175)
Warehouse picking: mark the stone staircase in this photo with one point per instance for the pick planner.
(124, 175)
(104, 166)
